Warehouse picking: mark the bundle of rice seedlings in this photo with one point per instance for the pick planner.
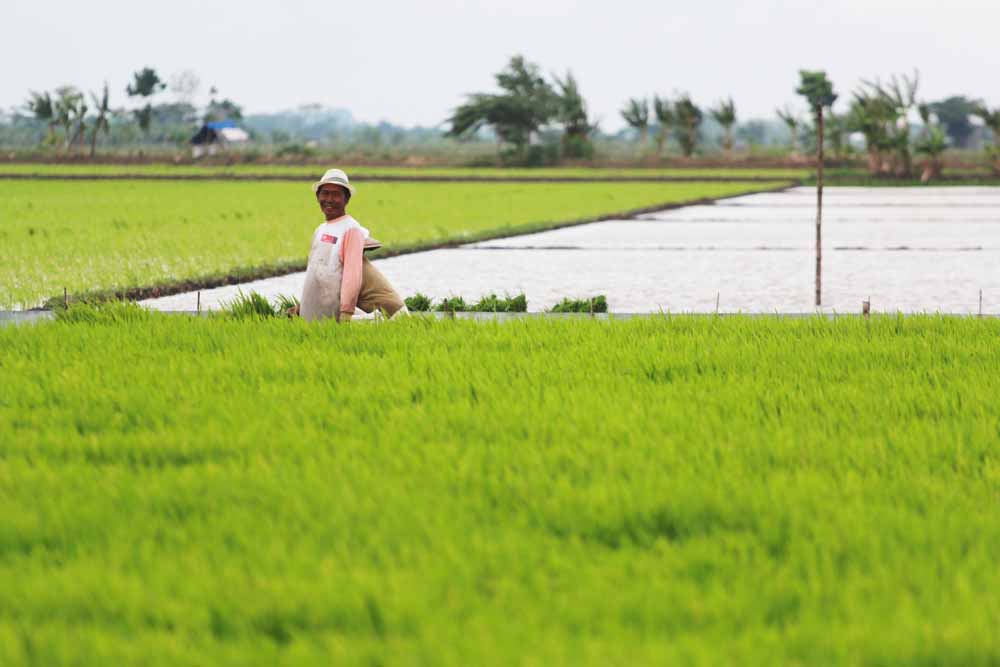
(508, 304)
(596, 304)
(418, 303)
(454, 304)
(249, 306)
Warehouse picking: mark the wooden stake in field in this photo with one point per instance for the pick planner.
(199, 302)
(980, 303)
(818, 90)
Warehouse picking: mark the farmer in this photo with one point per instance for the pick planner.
(338, 275)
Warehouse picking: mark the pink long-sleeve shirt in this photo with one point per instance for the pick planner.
(351, 254)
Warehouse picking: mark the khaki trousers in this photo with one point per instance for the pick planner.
(376, 292)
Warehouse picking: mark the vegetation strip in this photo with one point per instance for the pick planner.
(772, 491)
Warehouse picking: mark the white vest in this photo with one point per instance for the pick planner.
(325, 269)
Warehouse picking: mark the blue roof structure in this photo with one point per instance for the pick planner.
(220, 124)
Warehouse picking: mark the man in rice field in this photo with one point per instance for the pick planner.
(338, 275)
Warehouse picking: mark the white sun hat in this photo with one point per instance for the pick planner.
(336, 177)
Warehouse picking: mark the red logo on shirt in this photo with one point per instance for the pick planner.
(328, 238)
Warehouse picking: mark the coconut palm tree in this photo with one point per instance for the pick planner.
(836, 130)
(871, 116)
(688, 119)
(898, 98)
(724, 114)
(636, 114)
(101, 122)
(818, 91)
(70, 109)
(665, 119)
(991, 118)
(792, 121)
(145, 84)
(41, 106)
(571, 111)
(933, 145)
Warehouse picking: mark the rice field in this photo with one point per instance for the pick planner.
(314, 171)
(696, 491)
(113, 235)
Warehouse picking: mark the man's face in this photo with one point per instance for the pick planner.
(332, 200)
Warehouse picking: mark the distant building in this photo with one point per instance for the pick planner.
(215, 135)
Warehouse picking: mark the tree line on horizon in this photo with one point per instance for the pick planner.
(536, 119)
(879, 112)
(66, 108)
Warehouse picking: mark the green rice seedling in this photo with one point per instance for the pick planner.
(684, 490)
(597, 304)
(105, 312)
(418, 303)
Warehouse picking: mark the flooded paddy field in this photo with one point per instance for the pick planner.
(907, 249)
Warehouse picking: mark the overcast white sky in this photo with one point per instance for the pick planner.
(412, 62)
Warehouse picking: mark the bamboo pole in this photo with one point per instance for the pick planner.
(819, 212)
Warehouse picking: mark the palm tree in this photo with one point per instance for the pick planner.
(992, 120)
(101, 122)
(898, 97)
(69, 108)
(932, 144)
(145, 84)
(724, 114)
(636, 114)
(871, 116)
(789, 118)
(571, 111)
(42, 107)
(818, 91)
(689, 118)
(836, 130)
(665, 119)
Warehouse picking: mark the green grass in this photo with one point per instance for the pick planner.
(315, 171)
(697, 491)
(105, 235)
